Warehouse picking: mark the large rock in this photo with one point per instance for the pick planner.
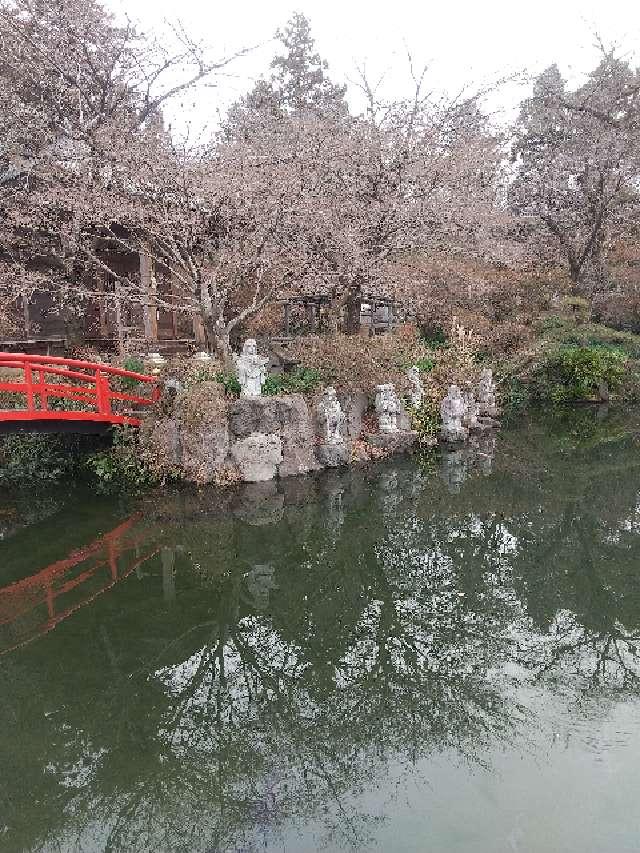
(204, 452)
(354, 405)
(286, 417)
(162, 441)
(257, 456)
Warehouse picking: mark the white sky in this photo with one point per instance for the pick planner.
(463, 41)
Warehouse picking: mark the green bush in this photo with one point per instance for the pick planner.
(229, 382)
(27, 458)
(122, 467)
(425, 365)
(515, 395)
(575, 373)
(301, 380)
(434, 339)
(127, 384)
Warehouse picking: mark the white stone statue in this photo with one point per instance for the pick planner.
(452, 410)
(486, 393)
(417, 391)
(388, 408)
(251, 369)
(333, 416)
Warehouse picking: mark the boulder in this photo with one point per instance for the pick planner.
(204, 451)
(162, 441)
(286, 417)
(257, 456)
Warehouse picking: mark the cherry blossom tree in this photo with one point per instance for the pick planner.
(77, 89)
(577, 157)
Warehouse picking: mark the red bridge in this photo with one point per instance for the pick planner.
(50, 394)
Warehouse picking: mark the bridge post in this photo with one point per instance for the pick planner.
(28, 381)
(102, 393)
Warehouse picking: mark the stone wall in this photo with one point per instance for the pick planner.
(204, 438)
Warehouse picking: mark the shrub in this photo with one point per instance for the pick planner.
(127, 383)
(123, 467)
(575, 373)
(424, 365)
(301, 380)
(229, 382)
(358, 363)
(33, 457)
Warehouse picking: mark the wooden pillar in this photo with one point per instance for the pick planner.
(102, 304)
(174, 302)
(119, 326)
(352, 324)
(26, 314)
(287, 318)
(149, 286)
(311, 315)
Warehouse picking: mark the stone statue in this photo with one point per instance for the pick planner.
(452, 410)
(470, 419)
(332, 415)
(388, 408)
(487, 394)
(417, 391)
(251, 369)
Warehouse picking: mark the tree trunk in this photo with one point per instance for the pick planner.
(222, 345)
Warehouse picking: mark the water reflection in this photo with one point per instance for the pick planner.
(270, 653)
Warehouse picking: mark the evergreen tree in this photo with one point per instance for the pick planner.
(298, 85)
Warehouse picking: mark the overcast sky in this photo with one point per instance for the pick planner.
(464, 42)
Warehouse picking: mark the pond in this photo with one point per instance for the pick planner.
(440, 655)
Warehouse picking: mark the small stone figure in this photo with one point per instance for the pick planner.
(333, 416)
(486, 393)
(417, 391)
(452, 409)
(470, 419)
(251, 369)
(388, 408)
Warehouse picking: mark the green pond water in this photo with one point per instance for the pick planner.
(441, 656)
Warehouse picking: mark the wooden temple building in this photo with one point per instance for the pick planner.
(159, 323)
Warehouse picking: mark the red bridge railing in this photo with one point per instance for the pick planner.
(46, 380)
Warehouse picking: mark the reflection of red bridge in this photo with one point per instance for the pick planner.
(49, 386)
(33, 606)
